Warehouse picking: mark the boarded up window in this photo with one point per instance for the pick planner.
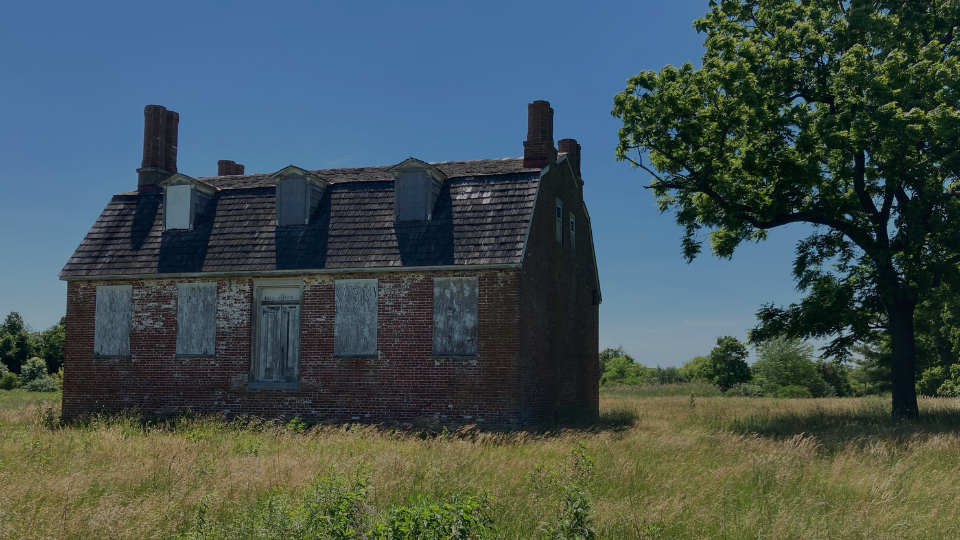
(573, 233)
(355, 325)
(559, 222)
(113, 320)
(177, 205)
(455, 316)
(292, 203)
(276, 355)
(196, 318)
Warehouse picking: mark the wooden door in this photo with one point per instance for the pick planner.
(278, 344)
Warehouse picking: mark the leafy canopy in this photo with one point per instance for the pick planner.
(842, 115)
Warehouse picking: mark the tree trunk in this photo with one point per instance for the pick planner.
(903, 364)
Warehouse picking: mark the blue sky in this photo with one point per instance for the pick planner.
(324, 84)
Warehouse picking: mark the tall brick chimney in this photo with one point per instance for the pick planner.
(538, 150)
(226, 167)
(572, 149)
(160, 128)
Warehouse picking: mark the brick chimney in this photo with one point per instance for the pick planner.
(538, 150)
(572, 149)
(160, 128)
(225, 167)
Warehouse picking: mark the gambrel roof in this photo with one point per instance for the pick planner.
(481, 218)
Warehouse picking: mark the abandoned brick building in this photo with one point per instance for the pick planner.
(458, 291)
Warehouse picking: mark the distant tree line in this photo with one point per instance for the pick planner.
(30, 359)
(784, 368)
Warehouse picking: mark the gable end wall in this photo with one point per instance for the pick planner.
(559, 323)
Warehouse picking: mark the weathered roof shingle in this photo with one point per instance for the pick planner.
(482, 215)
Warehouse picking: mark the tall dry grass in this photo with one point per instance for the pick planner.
(665, 467)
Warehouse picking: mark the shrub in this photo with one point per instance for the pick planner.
(783, 362)
(34, 376)
(9, 381)
(931, 380)
(622, 370)
(668, 375)
(794, 391)
(609, 354)
(951, 386)
(43, 384)
(744, 390)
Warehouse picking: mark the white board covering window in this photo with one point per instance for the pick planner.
(276, 350)
(178, 206)
(196, 318)
(455, 316)
(113, 320)
(559, 222)
(355, 322)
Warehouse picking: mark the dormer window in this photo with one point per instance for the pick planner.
(184, 201)
(298, 195)
(416, 188)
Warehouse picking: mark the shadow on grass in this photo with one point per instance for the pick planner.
(131, 421)
(840, 423)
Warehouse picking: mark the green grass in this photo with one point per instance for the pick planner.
(663, 467)
(19, 398)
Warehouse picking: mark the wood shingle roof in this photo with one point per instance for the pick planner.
(482, 215)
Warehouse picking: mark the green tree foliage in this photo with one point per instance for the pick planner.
(951, 382)
(51, 343)
(695, 369)
(34, 376)
(837, 375)
(783, 362)
(623, 370)
(727, 363)
(16, 348)
(667, 375)
(841, 115)
(18, 343)
(608, 354)
(12, 324)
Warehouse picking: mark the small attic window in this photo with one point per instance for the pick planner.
(416, 188)
(176, 210)
(298, 196)
(184, 200)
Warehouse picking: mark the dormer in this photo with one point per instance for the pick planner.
(184, 201)
(298, 195)
(416, 188)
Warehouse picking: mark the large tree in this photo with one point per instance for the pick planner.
(843, 115)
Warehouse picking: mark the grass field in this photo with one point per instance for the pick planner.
(664, 467)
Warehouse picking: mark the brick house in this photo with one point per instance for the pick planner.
(460, 291)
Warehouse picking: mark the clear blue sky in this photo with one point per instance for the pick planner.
(341, 84)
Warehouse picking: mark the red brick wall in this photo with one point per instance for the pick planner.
(405, 383)
(559, 321)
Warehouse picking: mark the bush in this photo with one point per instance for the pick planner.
(783, 362)
(668, 375)
(794, 391)
(744, 390)
(44, 384)
(34, 376)
(9, 381)
(931, 380)
(622, 370)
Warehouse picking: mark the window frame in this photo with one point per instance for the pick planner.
(337, 318)
(101, 318)
(559, 222)
(435, 353)
(181, 322)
